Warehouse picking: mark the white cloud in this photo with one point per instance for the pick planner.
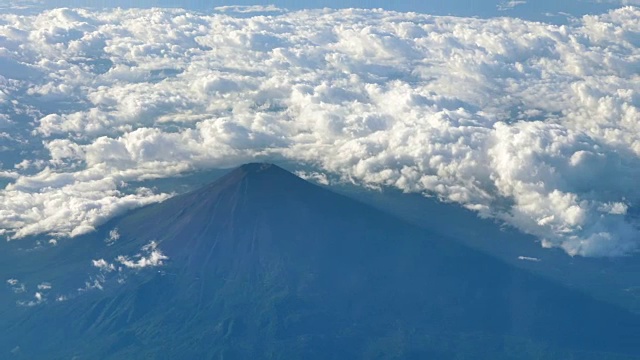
(314, 176)
(153, 257)
(530, 123)
(16, 286)
(9, 174)
(114, 236)
(38, 298)
(44, 286)
(508, 5)
(20, 4)
(5, 121)
(249, 9)
(529, 258)
(93, 284)
(103, 265)
(64, 203)
(618, 2)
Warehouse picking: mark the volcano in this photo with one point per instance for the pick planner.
(261, 264)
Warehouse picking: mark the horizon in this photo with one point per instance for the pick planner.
(541, 10)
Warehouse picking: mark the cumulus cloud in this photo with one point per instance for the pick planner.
(118, 270)
(38, 297)
(151, 257)
(62, 204)
(530, 123)
(314, 176)
(103, 265)
(9, 174)
(114, 236)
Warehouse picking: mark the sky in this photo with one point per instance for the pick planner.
(537, 10)
(531, 122)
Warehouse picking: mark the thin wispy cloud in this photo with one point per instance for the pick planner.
(249, 9)
(508, 5)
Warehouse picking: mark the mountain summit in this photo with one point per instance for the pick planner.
(264, 265)
(257, 168)
(265, 172)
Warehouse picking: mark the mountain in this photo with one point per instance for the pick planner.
(261, 264)
(613, 280)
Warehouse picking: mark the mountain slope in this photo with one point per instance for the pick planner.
(261, 264)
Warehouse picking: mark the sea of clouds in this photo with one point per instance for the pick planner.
(534, 124)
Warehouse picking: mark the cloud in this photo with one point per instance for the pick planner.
(103, 265)
(528, 258)
(508, 5)
(152, 257)
(93, 284)
(529, 123)
(114, 236)
(20, 4)
(314, 176)
(38, 298)
(62, 204)
(618, 2)
(249, 9)
(9, 174)
(16, 286)
(44, 286)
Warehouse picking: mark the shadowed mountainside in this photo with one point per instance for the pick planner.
(264, 265)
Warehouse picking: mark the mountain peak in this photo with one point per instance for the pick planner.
(260, 175)
(258, 167)
(249, 182)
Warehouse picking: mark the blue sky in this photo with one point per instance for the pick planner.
(539, 10)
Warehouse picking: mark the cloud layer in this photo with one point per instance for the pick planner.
(530, 123)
